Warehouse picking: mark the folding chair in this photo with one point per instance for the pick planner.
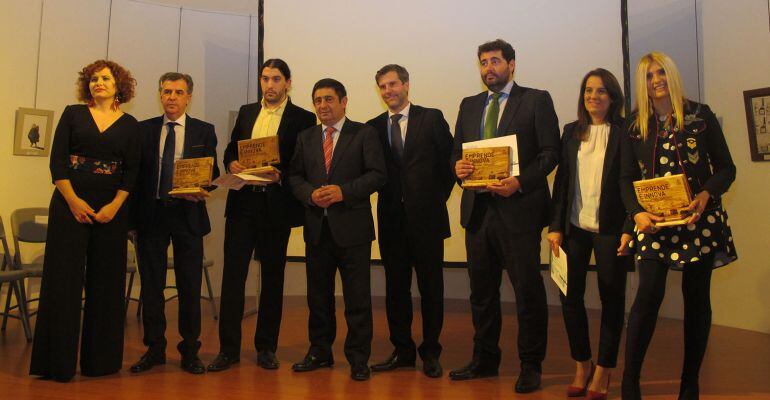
(15, 279)
(28, 225)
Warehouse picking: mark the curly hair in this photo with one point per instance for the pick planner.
(124, 82)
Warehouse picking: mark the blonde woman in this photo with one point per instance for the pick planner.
(668, 135)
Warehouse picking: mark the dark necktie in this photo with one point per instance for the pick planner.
(490, 123)
(396, 141)
(328, 148)
(167, 163)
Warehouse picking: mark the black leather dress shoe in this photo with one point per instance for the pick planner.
(529, 380)
(359, 372)
(222, 362)
(147, 361)
(193, 365)
(474, 370)
(394, 361)
(431, 368)
(312, 363)
(267, 360)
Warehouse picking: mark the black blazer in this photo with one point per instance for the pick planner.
(423, 180)
(200, 140)
(705, 156)
(612, 215)
(284, 208)
(530, 115)
(358, 167)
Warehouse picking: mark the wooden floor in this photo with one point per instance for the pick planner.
(737, 365)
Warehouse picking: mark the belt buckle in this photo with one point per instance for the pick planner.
(258, 188)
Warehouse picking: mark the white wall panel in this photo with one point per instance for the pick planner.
(74, 35)
(253, 62)
(669, 26)
(25, 181)
(214, 49)
(144, 38)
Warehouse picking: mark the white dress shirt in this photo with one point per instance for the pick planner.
(402, 122)
(505, 93)
(179, 130)
(588, 178)
(335, 135)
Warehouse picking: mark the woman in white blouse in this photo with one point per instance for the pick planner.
(588, 216)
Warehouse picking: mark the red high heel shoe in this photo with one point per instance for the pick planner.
(591, 395)
(577, 391)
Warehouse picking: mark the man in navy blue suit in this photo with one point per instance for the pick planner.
(162, 219)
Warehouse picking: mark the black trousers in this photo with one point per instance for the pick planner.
(492, 248)
(696, 288)
(353, 262)
(170, 226)
(78, 255)
(246, 233)
(611, 276)
(426, 254)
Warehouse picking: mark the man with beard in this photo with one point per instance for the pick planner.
(259, 219)
(503, 222)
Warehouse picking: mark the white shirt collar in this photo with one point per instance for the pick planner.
(337, 127)
(404, 113)
(181, 120)
(506, 90)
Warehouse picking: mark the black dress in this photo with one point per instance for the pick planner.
(98, 164)
(694, 151)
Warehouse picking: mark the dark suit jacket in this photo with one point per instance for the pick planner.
(612, 215)
(423, 180)
(200, 140)
(358, 167)
(284, 208)
(705, 156)
(529, 114)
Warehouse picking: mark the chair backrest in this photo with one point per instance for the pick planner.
(24, 226)
(26, 229)
(6, 250)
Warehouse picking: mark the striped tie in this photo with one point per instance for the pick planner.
(328, 148)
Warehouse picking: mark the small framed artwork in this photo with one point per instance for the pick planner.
(758, 120)
(34, 129)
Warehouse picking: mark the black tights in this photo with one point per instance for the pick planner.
(696, 285)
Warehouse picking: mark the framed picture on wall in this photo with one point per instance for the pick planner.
(34, 129)
(758, 120)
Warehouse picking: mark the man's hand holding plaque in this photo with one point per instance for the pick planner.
(257, 157)
(191, 176)
(194, 197)
(490, 166)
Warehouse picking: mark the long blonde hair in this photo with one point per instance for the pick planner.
(675, 90)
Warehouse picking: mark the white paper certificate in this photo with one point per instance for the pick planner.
(501, 141)
(237, 181)
(559, 270)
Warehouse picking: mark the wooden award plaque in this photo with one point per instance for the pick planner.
(491, 165)
(666, 197)
(191, 175)
(259, 155)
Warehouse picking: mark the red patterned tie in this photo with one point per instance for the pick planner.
(328, 148)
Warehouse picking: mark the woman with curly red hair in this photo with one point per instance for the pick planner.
(94, 163)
